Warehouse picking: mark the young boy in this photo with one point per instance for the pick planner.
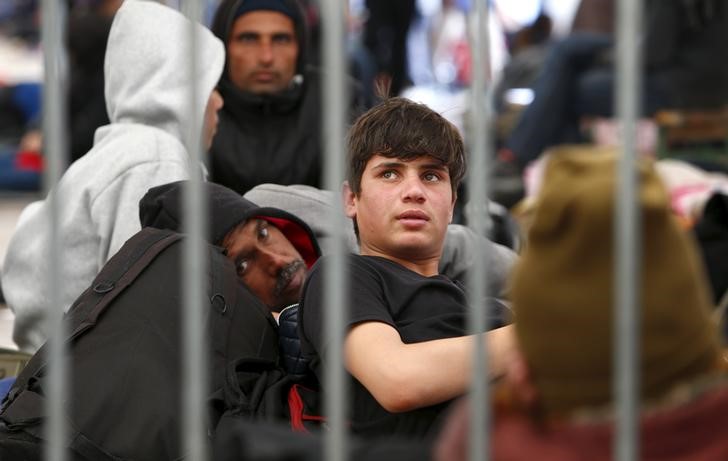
(405, 346)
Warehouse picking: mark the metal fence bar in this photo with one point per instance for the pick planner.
(54, 147)
(477, 219)
(626, 232)
(194, 263)
(335, 444)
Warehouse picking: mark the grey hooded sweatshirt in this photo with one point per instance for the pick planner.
(147, 98)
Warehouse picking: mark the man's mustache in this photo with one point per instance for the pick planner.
(286, 274)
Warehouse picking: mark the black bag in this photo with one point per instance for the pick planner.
(284, 392)
(261, 390)
(240, 439)
(124, 339)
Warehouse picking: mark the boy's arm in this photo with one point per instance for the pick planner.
(403, 377)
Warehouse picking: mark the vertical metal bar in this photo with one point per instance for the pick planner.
(54, 147)
(627, 222)
(334, 99)
(194, 262)
(478, 180)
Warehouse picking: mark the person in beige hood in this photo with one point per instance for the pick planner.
(558, 404)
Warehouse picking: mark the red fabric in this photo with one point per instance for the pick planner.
(697, 431)
(297, 236)
(298, 410)
(295, 406)
(29, 161)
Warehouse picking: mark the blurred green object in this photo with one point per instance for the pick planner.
(694, 135)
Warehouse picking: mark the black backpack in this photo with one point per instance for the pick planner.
(124, 339)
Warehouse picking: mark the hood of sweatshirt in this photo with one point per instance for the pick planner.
(147, 68)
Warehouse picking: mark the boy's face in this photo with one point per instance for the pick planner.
(403, 208)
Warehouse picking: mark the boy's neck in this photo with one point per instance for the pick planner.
(426, 267)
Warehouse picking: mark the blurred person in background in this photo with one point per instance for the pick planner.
(386, 27)
(88, 32)
(557, 403)
(147, 95)
(685, 66)
(270, 127)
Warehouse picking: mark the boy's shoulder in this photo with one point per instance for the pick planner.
(354, 261)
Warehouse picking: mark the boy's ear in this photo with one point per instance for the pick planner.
(348, 198)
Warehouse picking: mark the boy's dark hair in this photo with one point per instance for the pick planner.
(406, 130)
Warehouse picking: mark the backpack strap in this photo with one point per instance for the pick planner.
(121, 270)
(132, 259)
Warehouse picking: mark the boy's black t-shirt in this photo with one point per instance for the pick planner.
(419, 308)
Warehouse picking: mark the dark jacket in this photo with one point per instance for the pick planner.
(273, 138)
(685, 44)
(87, 36)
